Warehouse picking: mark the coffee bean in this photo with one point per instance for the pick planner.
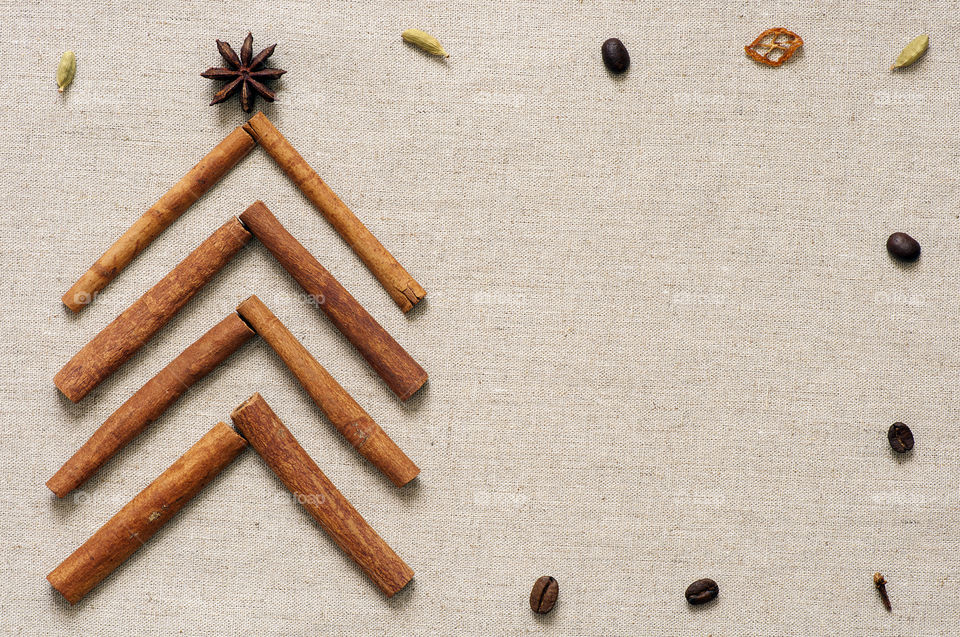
(702, 591)
(902, 246)
(544, 595)
(615, 55)
(900, 437)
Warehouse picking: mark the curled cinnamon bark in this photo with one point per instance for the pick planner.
(296, 469)
(150, 402)
(143, 516)
(398, 283)
(118, 341)
(168, 209)
(344, 412)
(394, 365)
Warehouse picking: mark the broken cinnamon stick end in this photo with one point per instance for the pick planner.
(67, 387)
(412, 295)
(70, 300)
(407, 577)
(59, 484)
(413, 386)
(248, 329)
(254, 123)
(257, 207)
(384, 453)
(256, 398)
(61, 587)
(252, 301)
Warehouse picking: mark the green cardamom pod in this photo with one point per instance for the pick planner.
(912, 52)
(66, 70)
(425, 41)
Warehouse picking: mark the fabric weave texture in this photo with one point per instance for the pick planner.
(664, 338)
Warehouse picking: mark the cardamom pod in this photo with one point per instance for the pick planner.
(912, 52)
(425, 41)
(66, 70)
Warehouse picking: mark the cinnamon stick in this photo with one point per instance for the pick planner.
(137, 324)
(168, 209)
(347, 416)
(276, 445)
(150, 401)
(143, 516)
(385, 356)
(398, 283)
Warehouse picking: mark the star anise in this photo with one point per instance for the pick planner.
(245, 73)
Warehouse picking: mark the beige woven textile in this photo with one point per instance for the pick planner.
(663, 335)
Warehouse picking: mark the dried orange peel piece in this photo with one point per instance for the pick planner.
(774, 46)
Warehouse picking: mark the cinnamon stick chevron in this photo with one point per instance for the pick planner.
(118, 341)
(341, 409)
(398, 283)
(143, 516)
(296, 469)
(394, 365)
(150, 401)
(165, 211)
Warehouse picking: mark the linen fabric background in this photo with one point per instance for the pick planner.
(664, 338)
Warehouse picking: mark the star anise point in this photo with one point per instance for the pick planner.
(244, 73)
